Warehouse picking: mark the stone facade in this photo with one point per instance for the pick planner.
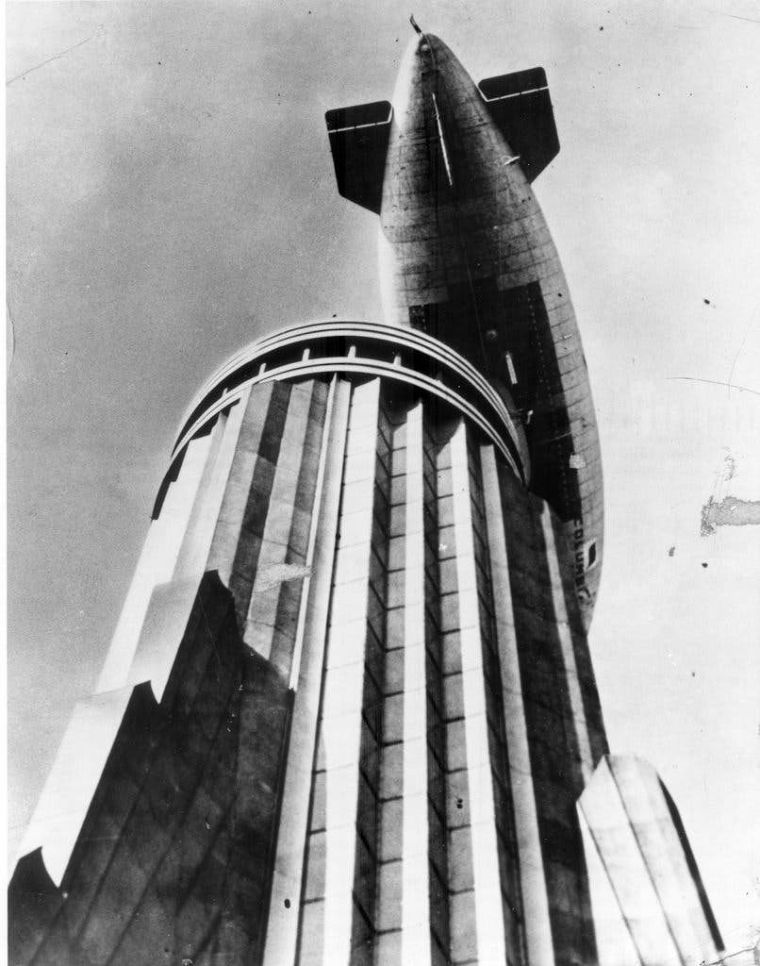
(348, 709)
(330, 647)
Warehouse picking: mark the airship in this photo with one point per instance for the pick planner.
(466, 256)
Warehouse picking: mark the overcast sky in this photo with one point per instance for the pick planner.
(171, 197)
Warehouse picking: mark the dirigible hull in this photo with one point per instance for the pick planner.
(467, 257)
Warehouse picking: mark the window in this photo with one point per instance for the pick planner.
(591, 554)
(511, 368)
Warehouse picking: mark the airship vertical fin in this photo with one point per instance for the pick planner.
(359, 142)
(522, 110)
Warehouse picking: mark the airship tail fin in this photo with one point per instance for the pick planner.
(522, 109)
(359, 143)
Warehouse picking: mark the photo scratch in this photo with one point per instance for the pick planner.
(50, 60)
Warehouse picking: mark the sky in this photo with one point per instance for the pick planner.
(170, 197)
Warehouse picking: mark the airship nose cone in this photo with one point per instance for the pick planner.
(424, 57)
(428, 47)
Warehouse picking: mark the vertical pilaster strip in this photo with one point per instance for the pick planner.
(262, 607)
(258, 505)
(567, 650)
(612, 934)
(193, 555)
(299, 554)
(341, 726)
(156, 563)
(537, 923)
(388, 911)
(306, 679)
(415, 916)
(667, 856)
(230, 520)
(603, 809)
(659, 847)
(319, 553)
(491, 947)
(438, 899)
(171, 605)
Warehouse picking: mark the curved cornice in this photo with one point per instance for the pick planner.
(364, 349)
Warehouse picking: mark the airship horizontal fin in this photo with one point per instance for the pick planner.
(359, 143)
(522, 109)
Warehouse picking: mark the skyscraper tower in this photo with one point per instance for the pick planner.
(348, 712)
